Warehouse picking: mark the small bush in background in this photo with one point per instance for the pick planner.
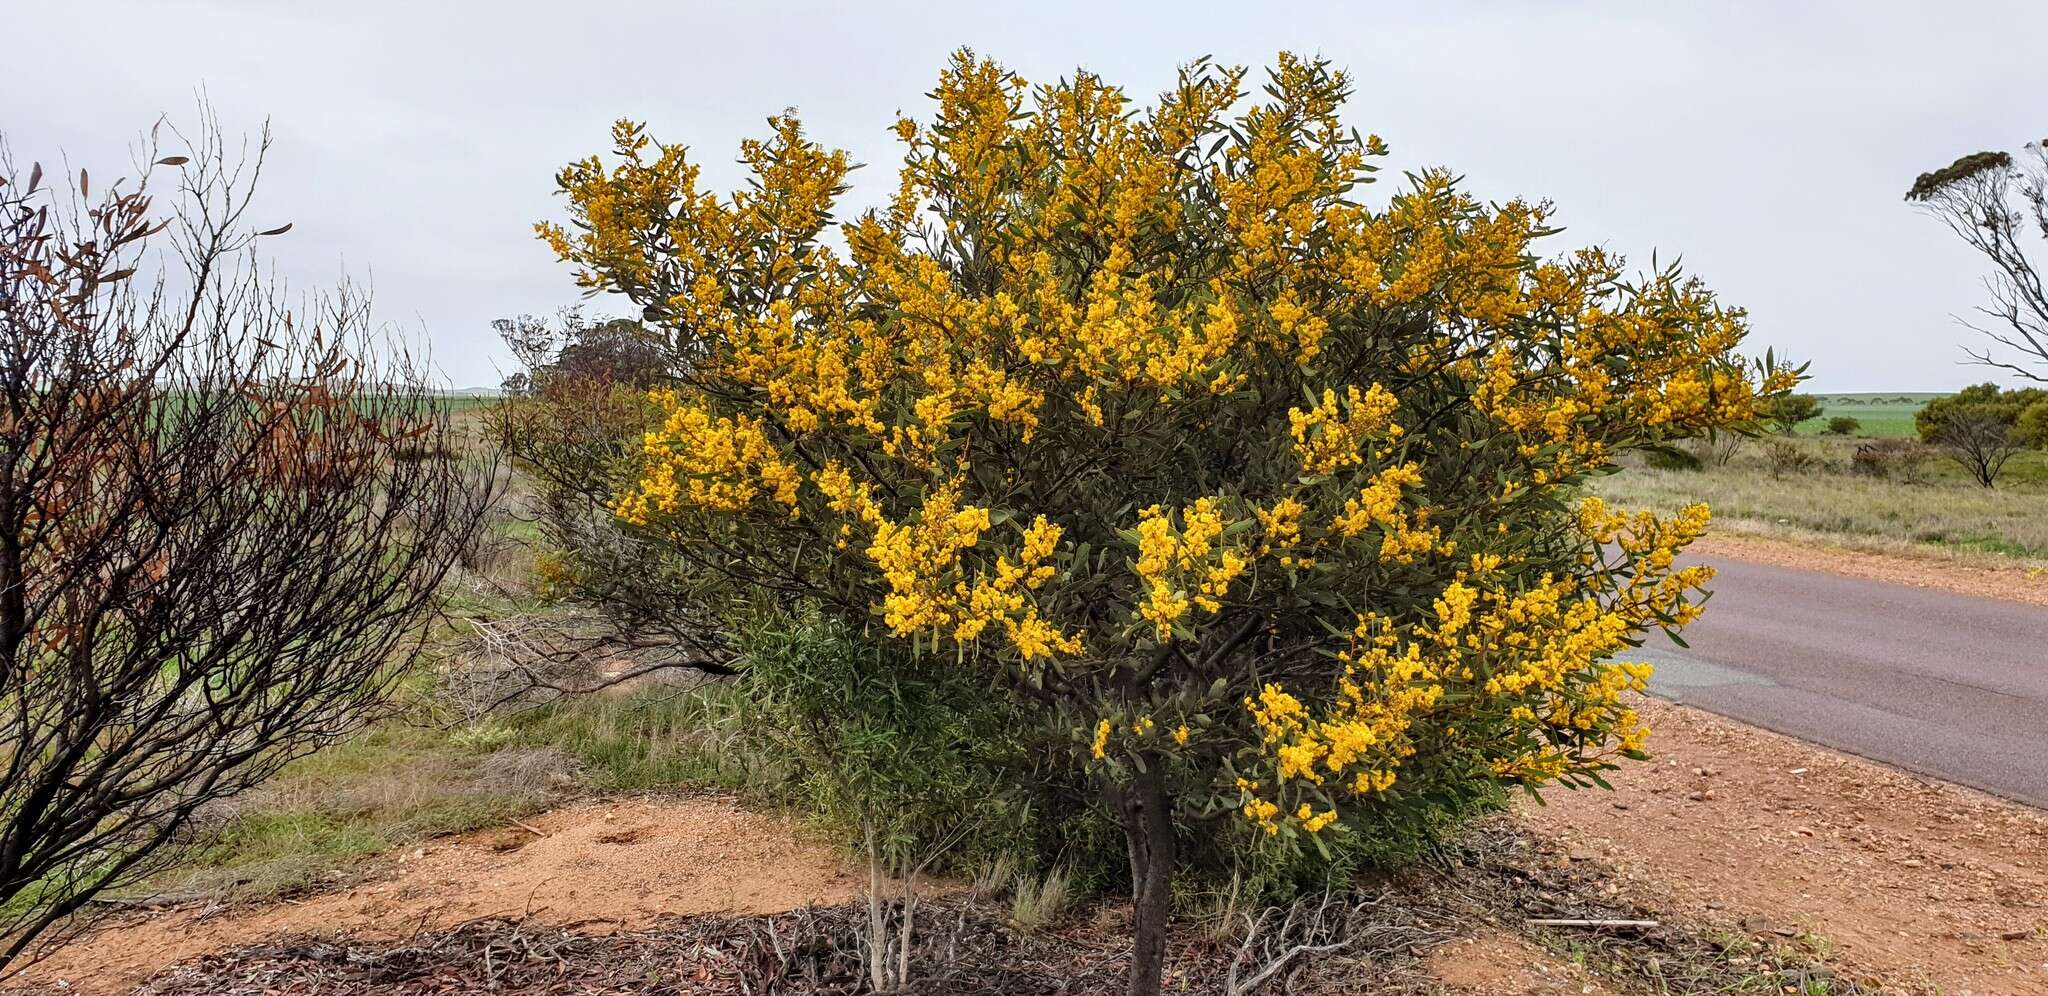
(1785, 411)
(1672, 458)
(2031, 429)
(1843, 425)
(1790, 458)
(1892, 459)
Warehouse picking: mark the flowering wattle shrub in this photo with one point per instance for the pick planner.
(1263, 496)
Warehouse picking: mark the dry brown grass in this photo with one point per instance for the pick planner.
(1943, 513)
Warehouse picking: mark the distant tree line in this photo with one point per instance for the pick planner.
(616, 350)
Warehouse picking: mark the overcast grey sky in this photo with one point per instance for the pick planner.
(1767, 143)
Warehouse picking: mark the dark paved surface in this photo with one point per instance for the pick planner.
(1942, 684)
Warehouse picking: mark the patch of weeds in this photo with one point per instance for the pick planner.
(482, 736)
(386, 788)
(1991, 544)
(660, 737)
(1040, 900)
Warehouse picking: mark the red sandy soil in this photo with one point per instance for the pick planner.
(1497, 963)
(1921, 884)
(609, 864)
(1925, 886)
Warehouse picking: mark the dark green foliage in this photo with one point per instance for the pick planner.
(937, 765)
(1397, 835)
(2031, 428)
(914, 752)
(1671, 458)
(1928, 184)
(1978, 427)
(1785, 411)
(1988, 400)
(1844, 425)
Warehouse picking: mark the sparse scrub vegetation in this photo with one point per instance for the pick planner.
(1879, 484)
(1902, 460)
(1789, 458)
(1891, 493)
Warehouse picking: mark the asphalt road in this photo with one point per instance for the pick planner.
(1942, 684)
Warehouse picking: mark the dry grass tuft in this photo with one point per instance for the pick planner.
(1040, 901)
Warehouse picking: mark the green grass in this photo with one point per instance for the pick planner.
(1882, 415)
(659, 737)
(389, 786)
(403, 781)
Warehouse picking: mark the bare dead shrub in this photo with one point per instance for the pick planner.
(1902, 460)
(217, 547)
(1978, 439)
(1718, 449)
(1790, 458)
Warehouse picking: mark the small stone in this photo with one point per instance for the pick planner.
(1698, 796)
(2016, 935)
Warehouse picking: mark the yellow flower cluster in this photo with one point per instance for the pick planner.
(1523, 667)
(931, 591)
(1184, 568)
(719, 463)
(1329, 436)
(1141, 729)
(1280, 527)
(1403, 536)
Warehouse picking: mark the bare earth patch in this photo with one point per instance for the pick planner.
(1732, 832)
(1923, 885)
(617, 863)
(1496, 963)
(1964, 575)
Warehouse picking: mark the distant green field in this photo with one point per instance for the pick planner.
(1881, 414)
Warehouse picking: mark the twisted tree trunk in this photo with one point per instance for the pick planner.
(1148, 827)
